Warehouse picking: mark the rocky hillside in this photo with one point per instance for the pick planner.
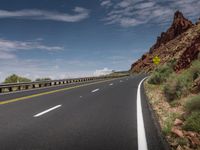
(181, 42)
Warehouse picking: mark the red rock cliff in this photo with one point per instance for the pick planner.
(180, 24)
(172, 44)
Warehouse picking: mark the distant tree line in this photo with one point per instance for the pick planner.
(43, 79)
(17, 79)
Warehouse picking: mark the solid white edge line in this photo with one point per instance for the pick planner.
(95, 90)
(142, 142)
(46, 111)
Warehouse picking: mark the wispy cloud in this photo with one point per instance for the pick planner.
(39, 68)
(129, 13)
(103, 71)
(9, 47)
(78, 14)
(106, 3)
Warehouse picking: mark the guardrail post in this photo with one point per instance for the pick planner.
(19, 88)
(10, 89)
(26, 87)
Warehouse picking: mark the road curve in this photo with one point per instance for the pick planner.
(93, 116)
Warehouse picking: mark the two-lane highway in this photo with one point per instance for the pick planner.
(99, 115)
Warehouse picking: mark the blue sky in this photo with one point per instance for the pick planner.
(72, 38)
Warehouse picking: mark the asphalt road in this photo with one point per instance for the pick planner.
(86, 116)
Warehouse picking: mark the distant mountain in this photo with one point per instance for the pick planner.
(181, 42)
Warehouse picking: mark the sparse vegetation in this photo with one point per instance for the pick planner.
(193, 104)
(182, 141)
(178, 85)
(160, 74)
(172, 90)
(15, 79)
(192, 123)
(195, 69)
(169, 123)
(178, 97)
(167, 128)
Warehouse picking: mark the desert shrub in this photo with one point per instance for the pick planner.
(160, 74)
(155, 78)
(175, 103)
(193, 104)
(173, 89)
(192, 123)
(168, 123)
(180, 84)
(182, 141)
(167, 127)
(172, 63)
(195, 69)
(185, 83)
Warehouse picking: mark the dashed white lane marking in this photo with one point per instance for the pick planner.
(46, 111)
(95, 90)
(81, 96)
(142, 142)
(120, 81)
(111, 84)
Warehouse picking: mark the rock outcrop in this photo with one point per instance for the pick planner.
(181, 42)
(190, 54)
(180, 24)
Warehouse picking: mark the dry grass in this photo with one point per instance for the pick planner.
(166, 114)
(160, 105)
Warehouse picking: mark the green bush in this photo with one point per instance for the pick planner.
(193, 104)
(180, 84)
(169, 123)
(182, 141)
(155, 78)
(195, 69)
(192, 123)
(15, 79)
(160, 74)
(172, 63)
(173, 89)
(167, 127)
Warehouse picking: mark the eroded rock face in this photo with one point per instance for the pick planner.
(180, 24)
(190, 54)
(180, 41)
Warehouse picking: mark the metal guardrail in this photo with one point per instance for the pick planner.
(5, 88)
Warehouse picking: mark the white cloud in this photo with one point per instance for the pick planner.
(79, 14)
(106, 3)
(101, 72)
(35, 68)
(129, 13)
(6, 55)
(144, 5)
(8, 48)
